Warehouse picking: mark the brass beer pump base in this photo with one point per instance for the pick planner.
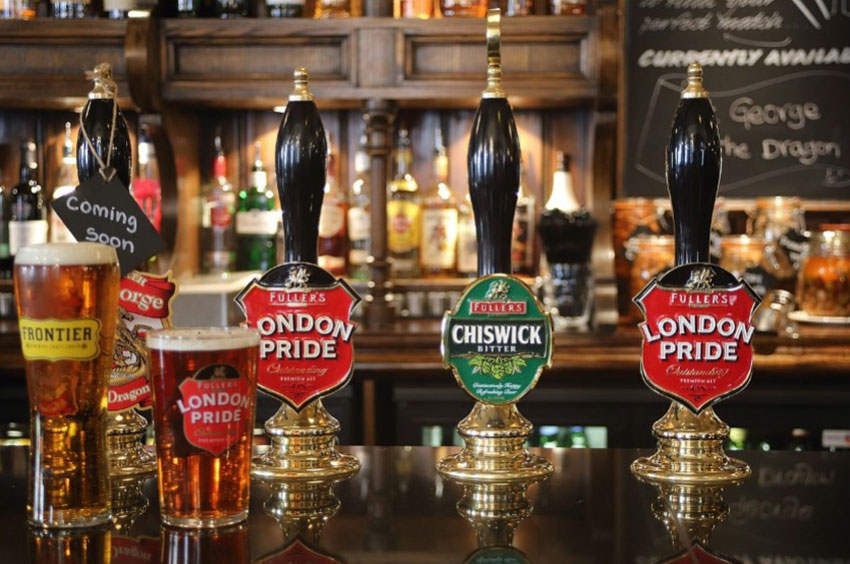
(303, 508)
(302, 447)
(125, 432)
(495, 436)
(690, 451)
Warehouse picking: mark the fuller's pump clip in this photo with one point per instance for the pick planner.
(302, 312)
(697, 335)
(498, 339)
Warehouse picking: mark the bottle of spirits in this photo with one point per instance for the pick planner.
(522, 245)
(332, 9)
(5, 216)
(359, 214)
(566, 231)
(421, 9)
(333, 235)
(118, 9)
(231, 8)
(285, 8)
(65, 184)
(256, 221)
(467, 244)
(463, 8)
(28, 221)
(438, 253)
(403, 213)
(218, 207)
(147, 190)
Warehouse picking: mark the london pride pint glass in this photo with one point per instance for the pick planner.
(204, 383)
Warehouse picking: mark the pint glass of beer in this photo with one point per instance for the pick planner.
(204, 384)
(67, 296)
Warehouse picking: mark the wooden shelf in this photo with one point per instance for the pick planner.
(548, 61)
(42, 61)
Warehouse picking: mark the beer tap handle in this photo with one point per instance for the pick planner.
(693, 161)
(493, 162)
(301, 154)
(96, 121)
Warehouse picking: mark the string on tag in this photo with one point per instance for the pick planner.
(104, 88)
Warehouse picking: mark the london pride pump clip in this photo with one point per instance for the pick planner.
(303, 313)
(697, 335)
(498, 339)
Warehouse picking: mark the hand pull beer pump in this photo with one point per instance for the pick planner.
(498, 339)
(103, 147)
(697, 336)
(302, 312)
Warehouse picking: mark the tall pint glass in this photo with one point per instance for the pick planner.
(67, 296)
(204, 383)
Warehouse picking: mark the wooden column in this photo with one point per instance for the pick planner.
(379, 117)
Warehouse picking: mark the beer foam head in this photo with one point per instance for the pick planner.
(203, 338)
(66, 254)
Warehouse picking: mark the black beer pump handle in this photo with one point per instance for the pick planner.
(493, 162)
(301, 155)
(96, 122)
(693, 170)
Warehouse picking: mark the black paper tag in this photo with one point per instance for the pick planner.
(105, 212)
(796, 245)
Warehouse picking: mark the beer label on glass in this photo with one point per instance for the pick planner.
(403, 218)
(25, 233)
(257, 222)
(215, 404)
(303, 315)
(144, 304)
(439, 237)
(59, 339)
(497, 340)
(697, 339)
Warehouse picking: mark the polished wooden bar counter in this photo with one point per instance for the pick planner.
(397, 509)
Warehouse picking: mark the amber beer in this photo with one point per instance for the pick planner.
(67, 296)
(204, 384)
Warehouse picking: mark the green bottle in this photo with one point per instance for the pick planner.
(257, 221)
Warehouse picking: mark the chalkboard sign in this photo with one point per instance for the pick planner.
(778, 72)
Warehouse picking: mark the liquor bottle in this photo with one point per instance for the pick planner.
(467, 245)
(438, 252)
(118, 9)
(147, 190)
(5, 216)
(359, 214)
(332, 9)
(566, 231)
(421, 9)
(333, 235)
(188, 8)
(522, 247)
(463, 8)
(65, 184)
(28, 221)
(68, 9)
(567, 7)
(231, 8)
(403, 213)
(218, 206)
(256, 221)
(285, 8)
(518, 7)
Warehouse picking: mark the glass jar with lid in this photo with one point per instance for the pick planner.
(823, 287)
(781, 222)
(751, 259)
(653, 256)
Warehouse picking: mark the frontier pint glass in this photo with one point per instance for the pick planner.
(67, 296)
